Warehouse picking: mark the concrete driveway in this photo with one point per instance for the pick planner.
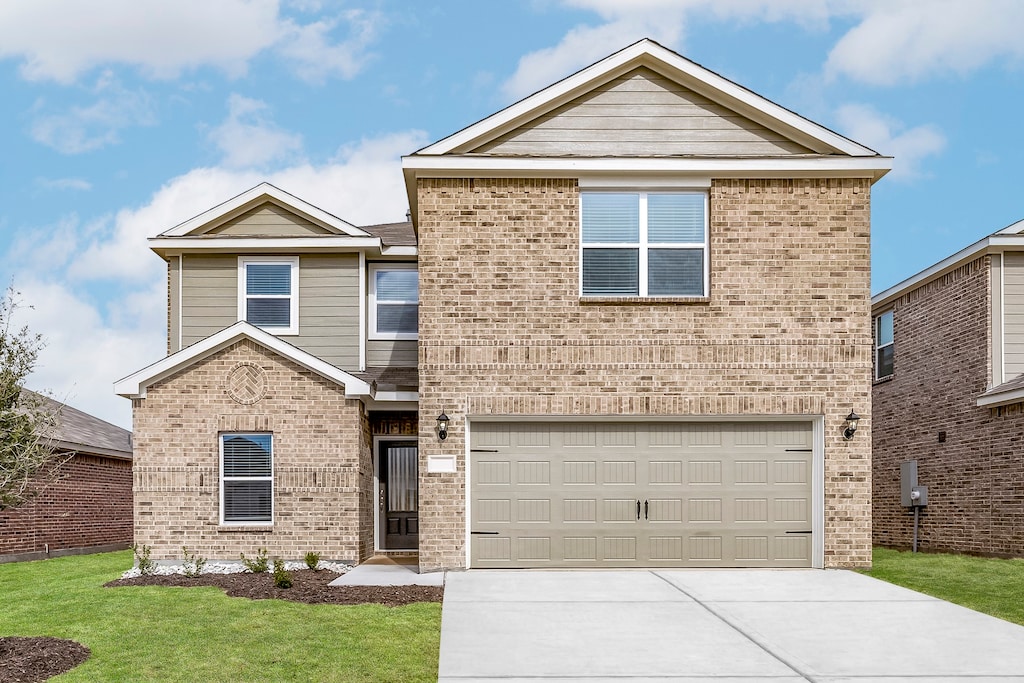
(725, 626)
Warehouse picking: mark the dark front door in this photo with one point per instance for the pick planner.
(398, 497)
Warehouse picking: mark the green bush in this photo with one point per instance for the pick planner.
(142, 561)
(259, 564)
(282, 579)
(312, 560)
(192, 563)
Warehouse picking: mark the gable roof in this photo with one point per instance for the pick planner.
(135, 385)
(674, 66)
(84, 433)
(250, 199)
(1010, 238)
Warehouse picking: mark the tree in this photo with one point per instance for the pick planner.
(28, 422)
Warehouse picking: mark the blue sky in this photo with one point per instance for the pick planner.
(122, 118)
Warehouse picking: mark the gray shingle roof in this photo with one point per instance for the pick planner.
(391, 378)
(393, 234)
(80, 431)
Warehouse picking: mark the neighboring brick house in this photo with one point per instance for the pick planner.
(638, 298)
(949, 393)
(88, 506)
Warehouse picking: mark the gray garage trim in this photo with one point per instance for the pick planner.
(732, 492)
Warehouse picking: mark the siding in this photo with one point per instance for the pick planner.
(382, 352)
(1013, 314)
(173, 302)
(328, 303)
(269, 220)
(641, 114)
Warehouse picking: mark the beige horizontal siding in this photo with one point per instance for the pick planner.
(269, 220)
(1013, 313)
(173, 302)
(400, 353)
(209, 296)
(642, 114)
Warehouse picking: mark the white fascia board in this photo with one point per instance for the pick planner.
(401, 250)
(818, 166)
(258, 194)
(708, 82)
(1001, 399)
(255, 245)
(1013, 229)
(993, 243)
(135, 385)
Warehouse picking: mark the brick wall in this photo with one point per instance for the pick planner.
(786, 330)
(975, 478)
(323, 465)
(88, 506)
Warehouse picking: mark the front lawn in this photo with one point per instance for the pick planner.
(148, 633)
(984, 584)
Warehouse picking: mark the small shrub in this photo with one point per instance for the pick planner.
(282, 579)
(312, 560)
(193, 564)
(259, 564)
(142, 561)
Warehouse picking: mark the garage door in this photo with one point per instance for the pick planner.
(549, 494)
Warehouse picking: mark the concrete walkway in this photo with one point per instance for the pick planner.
(727, 626)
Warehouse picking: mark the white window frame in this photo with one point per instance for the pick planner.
(643, 246)
(372, 271)
(222, 479)
(877, 324)
(293, 313)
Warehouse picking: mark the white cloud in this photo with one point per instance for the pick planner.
(886, 135)
(248, 138)
(898, 42)
(58, 40)
(83, 129)
(64, 184)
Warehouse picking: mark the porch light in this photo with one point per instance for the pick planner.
(442, 426)
(850, 426)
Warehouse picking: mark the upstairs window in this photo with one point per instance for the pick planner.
(269, 293)
(647, 244)
(247, 479)
(394, 301)
(885, 349)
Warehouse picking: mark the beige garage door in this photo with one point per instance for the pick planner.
(549, 494)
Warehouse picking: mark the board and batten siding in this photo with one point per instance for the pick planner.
(268, 220)
(1013, 314)
(641, 113)
(385, 352)
(328, 304)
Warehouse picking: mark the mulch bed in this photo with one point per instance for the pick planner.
(28, 660)
(307, 586)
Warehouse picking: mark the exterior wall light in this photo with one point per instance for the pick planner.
(850, 426)
(442, 426)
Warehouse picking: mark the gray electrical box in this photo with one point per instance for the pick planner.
(911, 495)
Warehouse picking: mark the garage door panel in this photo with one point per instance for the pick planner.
(707, 495)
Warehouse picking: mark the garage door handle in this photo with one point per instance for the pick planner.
(799, 532)
(638, 509)
(645, 509)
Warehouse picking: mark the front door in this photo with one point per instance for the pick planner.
(398, 495)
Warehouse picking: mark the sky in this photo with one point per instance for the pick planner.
(122, 118)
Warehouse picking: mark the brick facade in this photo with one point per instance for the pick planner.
(89, 506)
(785, 330)
(975, 478)
(323, 464)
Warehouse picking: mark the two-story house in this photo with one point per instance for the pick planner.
(949, 394)
(627, 326)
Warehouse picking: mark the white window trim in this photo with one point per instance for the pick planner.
(293, 314)
(643, 246)
(371, 317)
(225, 522)
(876, 323)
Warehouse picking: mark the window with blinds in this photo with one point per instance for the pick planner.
(269, 293)
(648, 244)
(394, 301)
(247, 479)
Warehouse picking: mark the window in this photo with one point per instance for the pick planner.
(644, 244)
(885, 349)
(394, 301)
(269, 293)
(247, 479)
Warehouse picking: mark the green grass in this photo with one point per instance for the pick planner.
(150, 633)
(988, 585)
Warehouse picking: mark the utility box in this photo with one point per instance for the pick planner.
(911, 494)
